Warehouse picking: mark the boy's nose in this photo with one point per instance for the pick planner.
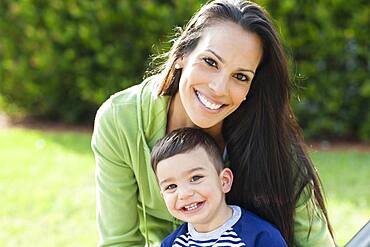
(184, 192)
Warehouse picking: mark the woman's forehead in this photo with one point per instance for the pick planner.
(230, 42)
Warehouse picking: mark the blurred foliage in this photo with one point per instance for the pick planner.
(329, 41)
(61, 59)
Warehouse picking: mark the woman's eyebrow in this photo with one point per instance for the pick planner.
(246, 70)
(218, 56)
(223, 61)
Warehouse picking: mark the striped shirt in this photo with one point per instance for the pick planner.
(242, 229)
(228, 238)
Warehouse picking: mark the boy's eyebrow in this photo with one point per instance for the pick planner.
(164, 181)
(188, 172)
(196, 169)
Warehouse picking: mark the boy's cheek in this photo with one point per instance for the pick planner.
(169, 201)
(166, 199)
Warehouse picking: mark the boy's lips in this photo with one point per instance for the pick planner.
(192, 208)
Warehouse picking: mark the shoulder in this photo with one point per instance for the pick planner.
(124, 97)
(251, 220)
(170, 239)
(115, 120)
(256, 230)
(131, 94)
(123, 107)
(116, 102)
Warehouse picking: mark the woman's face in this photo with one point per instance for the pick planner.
(217, 74)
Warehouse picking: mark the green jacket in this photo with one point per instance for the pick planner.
(129, 206)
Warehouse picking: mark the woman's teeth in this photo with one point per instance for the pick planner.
(206, 103)
(191, 206)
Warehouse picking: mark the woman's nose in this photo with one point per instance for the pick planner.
(219, 85)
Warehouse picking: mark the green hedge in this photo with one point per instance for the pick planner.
(329, 41)
(60, 59)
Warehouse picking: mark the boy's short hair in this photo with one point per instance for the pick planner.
(185, 140)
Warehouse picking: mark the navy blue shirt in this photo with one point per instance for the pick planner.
(243, 229)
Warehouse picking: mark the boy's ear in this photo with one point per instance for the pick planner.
(226, 179)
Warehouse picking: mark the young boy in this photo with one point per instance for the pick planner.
(193, 184)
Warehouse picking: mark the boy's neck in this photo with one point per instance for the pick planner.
(221, 216)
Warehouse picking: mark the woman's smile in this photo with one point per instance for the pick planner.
(207, 102)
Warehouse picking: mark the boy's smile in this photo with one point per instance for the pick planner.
(193, 190)
(193, 207)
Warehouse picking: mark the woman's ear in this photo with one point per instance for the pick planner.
(180, 62)
(226, 179)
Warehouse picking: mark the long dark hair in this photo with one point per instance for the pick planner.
(264, 142)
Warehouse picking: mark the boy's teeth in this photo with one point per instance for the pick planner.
(206, 103)
(191, 206)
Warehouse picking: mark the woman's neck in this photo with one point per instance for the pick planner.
(178, 118)
(176, 115)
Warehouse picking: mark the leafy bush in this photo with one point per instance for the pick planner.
(329, 43)
(61, 59)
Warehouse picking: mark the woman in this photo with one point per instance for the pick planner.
(227, 74)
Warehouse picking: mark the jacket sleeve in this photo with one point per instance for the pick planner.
(310, 226)
(116, 188)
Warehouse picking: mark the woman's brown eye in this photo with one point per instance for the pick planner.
(210, 62)
(241, 77)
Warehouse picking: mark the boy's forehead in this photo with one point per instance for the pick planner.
(186, 162)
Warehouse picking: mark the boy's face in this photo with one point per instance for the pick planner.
(193, 190)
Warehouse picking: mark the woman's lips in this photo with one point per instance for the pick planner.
(208, 103)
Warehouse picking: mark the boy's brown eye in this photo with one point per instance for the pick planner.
(195, 178)
(171, 187)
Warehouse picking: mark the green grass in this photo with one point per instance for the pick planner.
(48, 195)
(345, 176)
(47, 189)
